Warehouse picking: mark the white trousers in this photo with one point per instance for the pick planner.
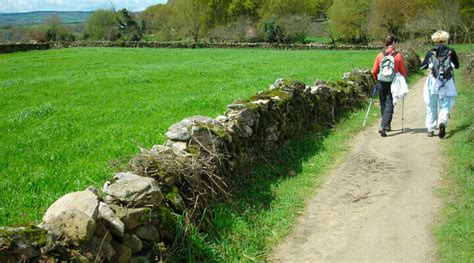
(435, 118)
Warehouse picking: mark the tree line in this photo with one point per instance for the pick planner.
(289, 21)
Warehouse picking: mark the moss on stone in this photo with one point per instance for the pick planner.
(174, 198)
(30, 234)
(214, 129)
(193, 149)
(146, 215)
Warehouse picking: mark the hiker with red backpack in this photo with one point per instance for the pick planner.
(387, 64)
(439, 86)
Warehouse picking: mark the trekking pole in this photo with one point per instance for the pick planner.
(370, 104)
(403, 110)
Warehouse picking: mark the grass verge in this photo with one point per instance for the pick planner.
(456, 231)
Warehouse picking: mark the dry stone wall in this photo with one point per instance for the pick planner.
(9, 48)
(133, 217)
(153, 44)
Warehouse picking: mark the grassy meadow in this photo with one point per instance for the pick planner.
(70, 118)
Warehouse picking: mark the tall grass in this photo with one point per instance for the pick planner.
(69, 118)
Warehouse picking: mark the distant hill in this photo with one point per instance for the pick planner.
(67, 17)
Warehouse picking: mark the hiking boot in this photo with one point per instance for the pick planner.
(442, 130)
(389, 128)
(430, 133)
(383, 132)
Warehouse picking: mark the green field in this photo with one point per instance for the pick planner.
(70, 117)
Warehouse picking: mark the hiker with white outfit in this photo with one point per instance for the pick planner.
(387, 64)
(439, 87)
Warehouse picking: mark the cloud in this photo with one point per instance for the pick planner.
(11, 6)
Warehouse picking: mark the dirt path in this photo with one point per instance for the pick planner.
(379, 204)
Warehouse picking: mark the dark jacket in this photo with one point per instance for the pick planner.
(441, 49)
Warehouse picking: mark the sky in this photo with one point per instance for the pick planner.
(13, 6)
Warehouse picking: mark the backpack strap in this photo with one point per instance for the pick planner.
(393, 54)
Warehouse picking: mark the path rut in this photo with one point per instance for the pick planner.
(379, 205)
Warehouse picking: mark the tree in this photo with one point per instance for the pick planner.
(385, 19)
(244, 8)
(192, 15)
(128, 26)
(101, 25)
(282, 8)
(449, 15)
(218, 13)
(160, 20)
(348, 19)
(56, 31)
(467, 19)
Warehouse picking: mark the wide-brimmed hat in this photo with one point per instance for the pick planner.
(440, 37)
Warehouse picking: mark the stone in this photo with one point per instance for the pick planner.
(133, 190)
(178, 133)
(133, 242)
(147, 232)
(102, 232)
(73, 224)
(320, 89)
(160, 149)
(5, 242)
(346, 75)
(221, 118)
(272, 137)
(248, 132)
(132, 217)
(25, 242)
(85, 201)
(204, 132)
(181, 131)
(206, 138)
(319, 82)
(112, 222)
(236, 106)
(278, 83)
(260, 102)
(244, 116)
(178, 147)
(122, 253)
(99, 248)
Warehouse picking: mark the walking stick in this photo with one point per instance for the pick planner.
(371, 101)
(403, 110)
